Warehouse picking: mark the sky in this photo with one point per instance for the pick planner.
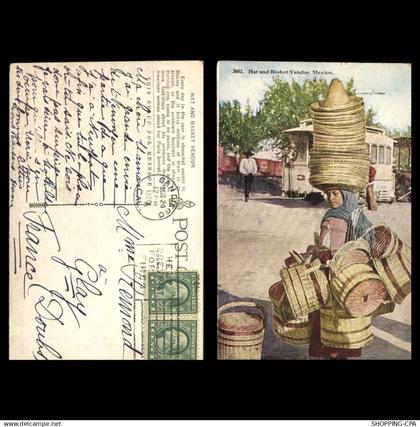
(393, 110)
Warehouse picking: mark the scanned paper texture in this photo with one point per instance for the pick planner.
(106, 210)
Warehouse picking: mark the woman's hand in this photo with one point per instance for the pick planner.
(325, 255)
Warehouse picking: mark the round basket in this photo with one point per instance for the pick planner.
(358, 289)
(306, 287)
(240, 334)
(405, 251)
(280, 302)
(395, 272)
(340, 331)
(386, 242)
(296, 332)
(352, 252)
(340, 183)
(293, 331)
(339, 169)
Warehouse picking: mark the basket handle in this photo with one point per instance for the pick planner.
(296, 256)
(372, 227)
(244, 304)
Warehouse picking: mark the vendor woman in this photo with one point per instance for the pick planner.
(345, 221)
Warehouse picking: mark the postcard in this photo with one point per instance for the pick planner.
(314, 210)
(106, 210)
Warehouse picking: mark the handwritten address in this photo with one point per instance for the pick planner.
(105, 174)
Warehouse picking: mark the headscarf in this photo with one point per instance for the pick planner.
(353, 215)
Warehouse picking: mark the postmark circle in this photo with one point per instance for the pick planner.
(156, 197)
(172, 340)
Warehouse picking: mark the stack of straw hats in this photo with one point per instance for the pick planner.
(339, 157)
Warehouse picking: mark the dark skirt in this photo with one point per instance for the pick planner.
(317, 349)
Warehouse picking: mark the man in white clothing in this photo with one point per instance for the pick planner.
(248, 168)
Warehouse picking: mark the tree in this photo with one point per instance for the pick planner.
(238, 132)
(351, 91)
(251, 132)
(396, 133)
(285, 104)
(230, 125)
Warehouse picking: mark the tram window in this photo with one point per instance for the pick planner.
(388, 155)
(301, 146)
(381, 155)
(373, 154)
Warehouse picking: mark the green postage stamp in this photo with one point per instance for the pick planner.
(172, 292)
(171, 315)
(172, 339)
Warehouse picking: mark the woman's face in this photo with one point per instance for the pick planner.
(335, 198)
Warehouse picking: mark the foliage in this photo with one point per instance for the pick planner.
(230, 125)
(282, 107)
(395, 133)
(238, 132)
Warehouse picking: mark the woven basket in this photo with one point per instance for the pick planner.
(296, 332)
(386, 242)
(293, 331)
(340, 331)
(280, 302)
(340, 183)
(306, 287)
(395, 272)
(405, 251)
(345, 166)
(240, 334)
(352, 252)
(358, 289)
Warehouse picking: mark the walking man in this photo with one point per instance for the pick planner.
(248, 168)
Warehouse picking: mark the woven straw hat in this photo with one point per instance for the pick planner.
(337, 99)
(339, 157)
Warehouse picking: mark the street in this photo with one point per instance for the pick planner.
(255, 237)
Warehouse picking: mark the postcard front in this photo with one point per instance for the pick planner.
(106, 209)
(314, 210)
